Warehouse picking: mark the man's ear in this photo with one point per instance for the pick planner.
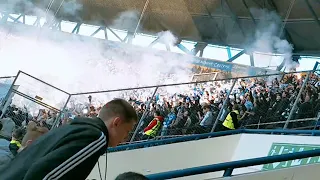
(28, 143)
(116, 122)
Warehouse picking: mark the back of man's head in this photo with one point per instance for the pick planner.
(118, 108)
(120, 118)
(33, 132)
(131, 176)
(18, 134)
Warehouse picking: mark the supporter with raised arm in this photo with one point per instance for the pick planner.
(71, 151)
(167, 121)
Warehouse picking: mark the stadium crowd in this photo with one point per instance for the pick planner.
(253, 103)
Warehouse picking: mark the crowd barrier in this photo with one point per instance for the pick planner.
(228, 167)
(30, 98)
(48, 98)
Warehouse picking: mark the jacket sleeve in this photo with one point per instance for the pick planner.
(73, 158)
(235, 120)
(151, 125)
(13, 148)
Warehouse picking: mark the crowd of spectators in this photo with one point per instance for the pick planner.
(253, 103)
(260, 103)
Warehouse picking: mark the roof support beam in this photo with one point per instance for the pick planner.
(251, 15)
(198, 47)
(235, 18)
(222, 40)
(251, 60)
(76, 29)
(96, 31)
(180, 46)
(129, 38)
(17, 19)
(37, 22)
(4, 17)
(236, 56)
(281, 65)
(287, 35)
(115, 34)
(316, 18)
(229, 52)
(184, 49)
(101, 28)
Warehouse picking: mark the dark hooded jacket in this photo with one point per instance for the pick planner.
(67, 152)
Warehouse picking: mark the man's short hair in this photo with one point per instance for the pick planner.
(121, 108)
(131, 176)
(206, 106)
(157, 112)
(18, 133)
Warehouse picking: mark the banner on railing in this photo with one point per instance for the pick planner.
(198, 65)
(283, 148)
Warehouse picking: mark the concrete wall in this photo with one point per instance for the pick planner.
(169, 157)
(196, 153)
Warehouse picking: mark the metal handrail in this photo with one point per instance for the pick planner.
(282, 122)
(187, 83)
(7, 77)
(173, 140)
(211, 135)
(228, 167)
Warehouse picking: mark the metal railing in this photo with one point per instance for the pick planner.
(145, 144)
(228, 167)
(283, 122)
(25, 91)
(193, 119)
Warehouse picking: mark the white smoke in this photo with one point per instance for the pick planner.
(80, 64)
(127, 20)
(71, 7)
(167, 38)
(267, 38)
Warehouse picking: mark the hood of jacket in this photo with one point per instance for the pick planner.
(94, 122)
(160, 118)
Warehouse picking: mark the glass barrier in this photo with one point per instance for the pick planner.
(31, 99)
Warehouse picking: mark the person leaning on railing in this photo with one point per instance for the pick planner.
(71, 151)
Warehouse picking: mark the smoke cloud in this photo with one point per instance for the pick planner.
(267, 38)
(80, 64)
(71, 7)
(127, 20)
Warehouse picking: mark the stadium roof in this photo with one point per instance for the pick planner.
(221, 22)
